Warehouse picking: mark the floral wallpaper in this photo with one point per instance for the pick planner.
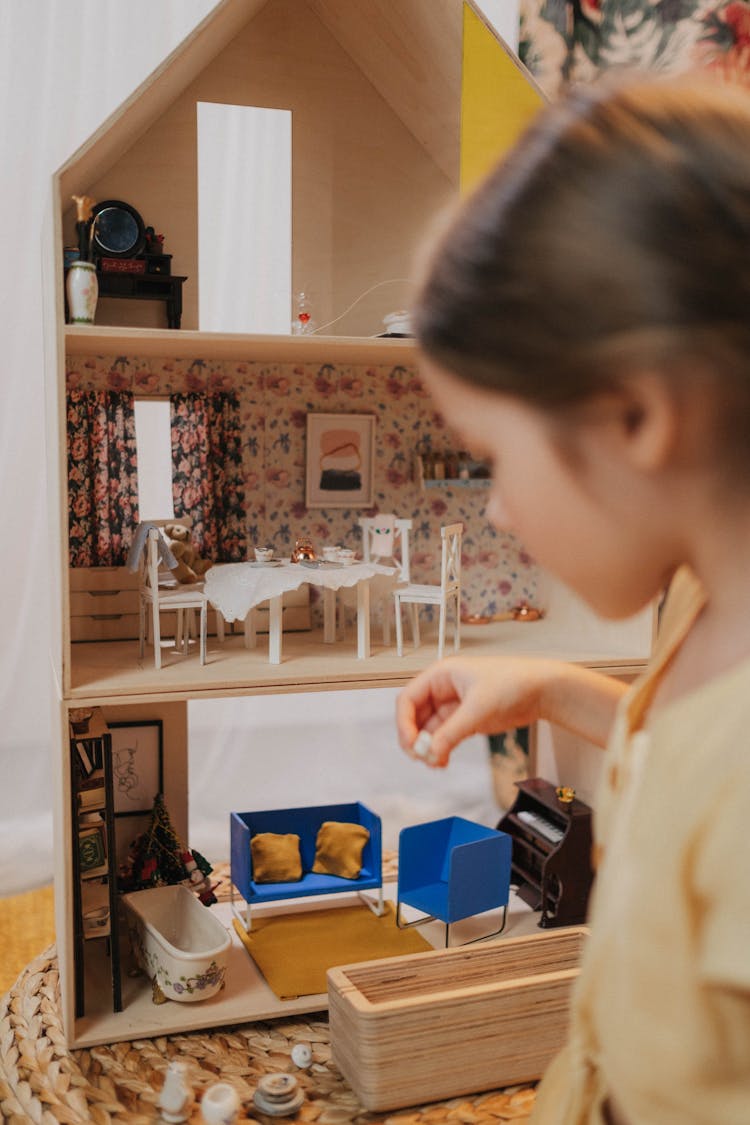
(565, 41)
(498, 573)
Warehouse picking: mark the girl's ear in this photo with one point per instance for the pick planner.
(644, 417)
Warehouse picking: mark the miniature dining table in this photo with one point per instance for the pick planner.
(235, 589)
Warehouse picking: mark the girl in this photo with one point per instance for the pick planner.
(584, 325)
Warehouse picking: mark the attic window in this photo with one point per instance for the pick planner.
(504, 15)
(244, 218)
(154, 450)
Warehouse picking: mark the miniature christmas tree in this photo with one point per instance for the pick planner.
(158, 858)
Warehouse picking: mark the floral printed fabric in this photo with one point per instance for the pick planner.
(207, 480)
(566, 41)
(102, 478)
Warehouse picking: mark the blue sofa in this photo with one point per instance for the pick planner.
(305, 823)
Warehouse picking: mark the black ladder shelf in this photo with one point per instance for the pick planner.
(95, 901)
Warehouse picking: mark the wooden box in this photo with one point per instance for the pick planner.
(416, 1029)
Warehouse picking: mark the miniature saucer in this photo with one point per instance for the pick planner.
(278, 1109)
(278, 1095)
(301, 1055)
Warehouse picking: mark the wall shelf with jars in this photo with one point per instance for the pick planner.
(446, 469)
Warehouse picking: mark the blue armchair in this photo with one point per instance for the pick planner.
(451, 869)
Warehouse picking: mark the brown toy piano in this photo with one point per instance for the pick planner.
(551, 832)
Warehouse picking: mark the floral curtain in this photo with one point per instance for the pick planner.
(102, 477)
(567, 41)
(207, 479)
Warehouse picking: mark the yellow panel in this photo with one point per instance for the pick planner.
(498, 99)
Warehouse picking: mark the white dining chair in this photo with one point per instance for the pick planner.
(184, 620)
(160, 592)
(385, 540)
(447, 594)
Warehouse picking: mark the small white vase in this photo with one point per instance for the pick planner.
(176, 1097)
(82, 289)
(220, 1104)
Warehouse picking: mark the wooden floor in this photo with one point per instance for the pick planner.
(247, 997)
(106, 670)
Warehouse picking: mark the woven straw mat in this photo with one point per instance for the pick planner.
(44, 1082)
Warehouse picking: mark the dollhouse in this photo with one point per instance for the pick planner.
(394, 108)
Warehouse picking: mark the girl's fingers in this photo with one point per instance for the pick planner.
(456, 724)
(415, 708)
(438, 702)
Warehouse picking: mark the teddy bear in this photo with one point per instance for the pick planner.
(190, 566)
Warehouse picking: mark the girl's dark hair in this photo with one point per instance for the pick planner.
(616, 234)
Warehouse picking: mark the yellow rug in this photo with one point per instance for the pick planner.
(294, 951)
(27, 926)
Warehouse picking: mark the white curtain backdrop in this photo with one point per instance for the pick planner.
(65, 68)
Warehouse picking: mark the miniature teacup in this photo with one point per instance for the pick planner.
(331, 553)
(220, 1104)
(346, 553)
(263, 554)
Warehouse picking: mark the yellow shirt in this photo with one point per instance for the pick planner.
(660, 1020)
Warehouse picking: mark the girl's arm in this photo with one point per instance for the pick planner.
(461, 696)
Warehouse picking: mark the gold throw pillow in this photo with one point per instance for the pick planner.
(338, 849)
(276, 857)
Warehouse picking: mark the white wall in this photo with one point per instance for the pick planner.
(504, 15)
(65, 68)
(284, 751)
(244, 218)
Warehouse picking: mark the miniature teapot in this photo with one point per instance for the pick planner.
(303, 549)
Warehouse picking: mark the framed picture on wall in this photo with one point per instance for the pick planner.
(340, 461)
(137, 765)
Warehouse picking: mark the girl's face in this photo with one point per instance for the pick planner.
(583, 513)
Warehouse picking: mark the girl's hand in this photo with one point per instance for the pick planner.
(461, 696)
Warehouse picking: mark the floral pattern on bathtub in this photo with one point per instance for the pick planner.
(209, 981)
(274, 401)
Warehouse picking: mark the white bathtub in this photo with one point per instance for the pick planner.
(178, 942)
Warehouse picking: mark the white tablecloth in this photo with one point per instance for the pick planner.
(234, 588)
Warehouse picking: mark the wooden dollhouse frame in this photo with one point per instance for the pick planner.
(390, 97)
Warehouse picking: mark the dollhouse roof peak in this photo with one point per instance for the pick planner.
(410, 52)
